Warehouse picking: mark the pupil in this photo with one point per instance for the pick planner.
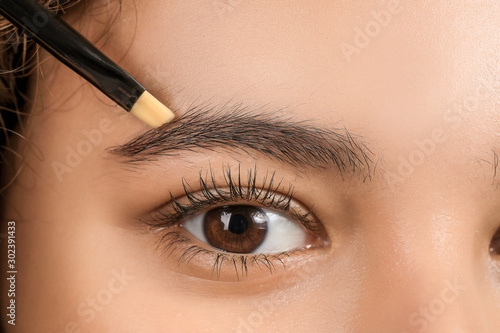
(238, 224)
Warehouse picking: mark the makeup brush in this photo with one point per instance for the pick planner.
(76, 52)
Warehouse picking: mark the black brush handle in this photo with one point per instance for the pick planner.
(72, 49)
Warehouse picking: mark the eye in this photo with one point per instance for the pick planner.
(247, 229)
(495, 243)
(231, 228)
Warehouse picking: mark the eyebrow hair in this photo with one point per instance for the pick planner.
(241, 130)
(494, 162)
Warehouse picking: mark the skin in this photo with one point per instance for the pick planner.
(409, 249)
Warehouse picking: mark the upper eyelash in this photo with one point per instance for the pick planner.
(268, 194)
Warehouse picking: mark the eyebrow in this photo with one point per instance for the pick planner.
(244, 130)
(494, 163)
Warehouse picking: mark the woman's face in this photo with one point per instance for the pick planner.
(382, 116)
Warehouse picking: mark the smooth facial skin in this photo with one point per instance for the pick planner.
(408, 240)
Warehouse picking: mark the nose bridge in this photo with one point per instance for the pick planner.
(440, 310)
(422, 268)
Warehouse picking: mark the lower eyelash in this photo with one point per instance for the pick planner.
(175, 240)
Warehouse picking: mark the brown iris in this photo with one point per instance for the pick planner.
(236, 228)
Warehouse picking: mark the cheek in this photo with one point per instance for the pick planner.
(65, 260)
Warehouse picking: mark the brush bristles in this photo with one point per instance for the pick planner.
(151, 111)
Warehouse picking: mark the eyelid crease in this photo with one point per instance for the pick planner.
(296, 143)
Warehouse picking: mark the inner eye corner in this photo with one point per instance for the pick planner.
(494, 247)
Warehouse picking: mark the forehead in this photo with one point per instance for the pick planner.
(362, 61)
(393, 71)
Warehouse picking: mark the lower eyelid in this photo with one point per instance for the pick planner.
(194, 260)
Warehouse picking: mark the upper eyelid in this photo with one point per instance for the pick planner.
(212, 192)
(267, 192)
(229, 200)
